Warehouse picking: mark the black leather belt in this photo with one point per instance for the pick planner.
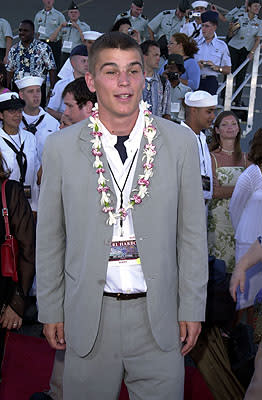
(125, 296)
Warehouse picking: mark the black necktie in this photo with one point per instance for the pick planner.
(32, 127)
(121, 148)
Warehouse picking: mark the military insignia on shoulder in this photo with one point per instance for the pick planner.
(166, 12)
(143, 16)
(123, 14)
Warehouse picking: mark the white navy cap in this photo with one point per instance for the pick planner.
(10, 101)
(200, 4)
(29, 81)
(92, 35)
(200, 98)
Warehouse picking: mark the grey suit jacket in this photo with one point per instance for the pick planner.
(73, 240)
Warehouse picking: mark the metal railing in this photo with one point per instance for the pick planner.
(230, 96)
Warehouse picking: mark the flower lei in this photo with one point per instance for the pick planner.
(143, 182)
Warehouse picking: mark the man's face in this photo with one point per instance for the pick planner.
(208, 30)
(26, 33)
(32, 96)
(73, 112)
(80, 64)
(152, 57)
(199, 9)
(135, 11)
(255, 8)
(48, 4)
(118, 82)
(73, 15)
(11, 118)
(204, 116)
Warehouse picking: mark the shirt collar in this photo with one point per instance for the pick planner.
(109, 140)
(203, 40)
(201, 135)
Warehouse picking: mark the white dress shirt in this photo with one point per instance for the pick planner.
(205, 160)
(47, 126)
(125, 276)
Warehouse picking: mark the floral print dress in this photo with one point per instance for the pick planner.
(221, 242)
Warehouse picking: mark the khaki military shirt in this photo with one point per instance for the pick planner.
(249, 30)
(139, 23)
(71, 36)
(46, 22)
(166, 23)
(5, 31)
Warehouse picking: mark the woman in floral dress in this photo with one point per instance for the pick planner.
(228, 162)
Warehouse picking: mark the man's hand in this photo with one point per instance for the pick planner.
(55, 335)
(189, 332)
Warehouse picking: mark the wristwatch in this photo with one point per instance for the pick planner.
(220, 69)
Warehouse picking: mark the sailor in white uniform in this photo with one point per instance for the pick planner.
(18, 146)
(34, 118)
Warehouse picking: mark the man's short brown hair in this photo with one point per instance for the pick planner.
(111, 40)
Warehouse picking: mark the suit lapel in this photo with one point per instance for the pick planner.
(86, 148)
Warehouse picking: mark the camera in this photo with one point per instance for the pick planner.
(69, 24)
(193, 14)
(173, 76)
(205, 63)
(131, 31)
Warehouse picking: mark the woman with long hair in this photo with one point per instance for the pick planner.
(21, 223)
(187, 47)
(228, 162)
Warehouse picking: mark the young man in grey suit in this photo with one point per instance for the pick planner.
(121, 239)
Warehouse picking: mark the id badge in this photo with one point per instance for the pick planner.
(175, 107)
(124, 251)
(67, 45)
(206, 183)
(42, 30)
(27, 191)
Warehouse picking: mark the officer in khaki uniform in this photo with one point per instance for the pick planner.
(46, 22)
(6, 38)
(138, 21)
(168, 22)
(71, 32)
(244, 43)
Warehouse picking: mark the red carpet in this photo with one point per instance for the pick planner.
(28, 363)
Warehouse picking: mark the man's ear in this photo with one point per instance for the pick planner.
(90, 82)
(88, 108)
(21, 94)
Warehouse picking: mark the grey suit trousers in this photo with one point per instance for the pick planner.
(124, 348)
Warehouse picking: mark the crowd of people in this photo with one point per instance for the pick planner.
(122, 246)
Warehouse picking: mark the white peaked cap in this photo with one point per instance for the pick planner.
(200, 4)
(29, 81)
(8, 96)
(200, 98)
(92, 35)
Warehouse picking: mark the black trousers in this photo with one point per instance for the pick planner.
(64, 57)
(209, 84)
(56, 49)
(2, 54)
(237, 57)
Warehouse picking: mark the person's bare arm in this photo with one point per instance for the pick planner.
(54, 113)
(9, 77)
(252, 256)
(151, 34)
(52, 75)
(252, 51)
(8, 44)
(220, 192)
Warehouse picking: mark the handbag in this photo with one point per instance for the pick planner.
(9, 249)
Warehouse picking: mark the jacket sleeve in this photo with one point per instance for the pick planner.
(51, 237)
